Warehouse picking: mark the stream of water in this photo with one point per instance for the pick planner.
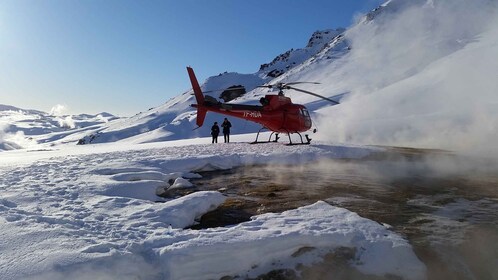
(446, 206)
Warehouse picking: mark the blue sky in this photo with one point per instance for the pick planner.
(124, 56)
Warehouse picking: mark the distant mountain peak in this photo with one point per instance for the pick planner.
(4, 107)
(293, 57)
(392, 6)
(8, 108)
(320, 38)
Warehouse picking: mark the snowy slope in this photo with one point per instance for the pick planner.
(433, 86)
(173, 120)
(449, 104)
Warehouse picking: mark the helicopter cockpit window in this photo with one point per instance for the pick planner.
(305, 112)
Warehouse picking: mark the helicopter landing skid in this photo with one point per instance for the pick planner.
(261, 142)
(296, 144)
(269, 139)
(308, 140)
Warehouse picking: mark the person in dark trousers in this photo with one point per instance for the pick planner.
(226, 130)
(215, 131)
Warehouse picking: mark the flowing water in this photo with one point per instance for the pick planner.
(446, 206)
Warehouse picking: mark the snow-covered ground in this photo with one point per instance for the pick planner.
(92, 212)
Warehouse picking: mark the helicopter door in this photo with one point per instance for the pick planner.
(306, 117)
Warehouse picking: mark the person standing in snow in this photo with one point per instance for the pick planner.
(215, 131)
(226, 130)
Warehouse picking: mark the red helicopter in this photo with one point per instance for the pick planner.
(276, 113)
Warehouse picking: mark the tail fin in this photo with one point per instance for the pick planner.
(199, 97)
(201, 115)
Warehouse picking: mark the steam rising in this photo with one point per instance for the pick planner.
(425, 76)
(66, 122)
(12, 141)
(58, 110)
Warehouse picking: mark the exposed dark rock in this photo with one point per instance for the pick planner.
(275, 73)
(233, 92)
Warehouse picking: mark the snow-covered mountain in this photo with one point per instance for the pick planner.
(398, 42)
(21, 128)
(291, 58)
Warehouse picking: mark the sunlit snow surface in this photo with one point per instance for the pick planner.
(92, 211)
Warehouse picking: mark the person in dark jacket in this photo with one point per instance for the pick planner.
(226, 130)
(215, 131)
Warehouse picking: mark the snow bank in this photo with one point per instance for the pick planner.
(273, 241)
(61, 245)
(184, 211)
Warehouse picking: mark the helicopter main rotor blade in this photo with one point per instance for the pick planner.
(286, 85)
(296, 83)
(312, 93)
(266, 86)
